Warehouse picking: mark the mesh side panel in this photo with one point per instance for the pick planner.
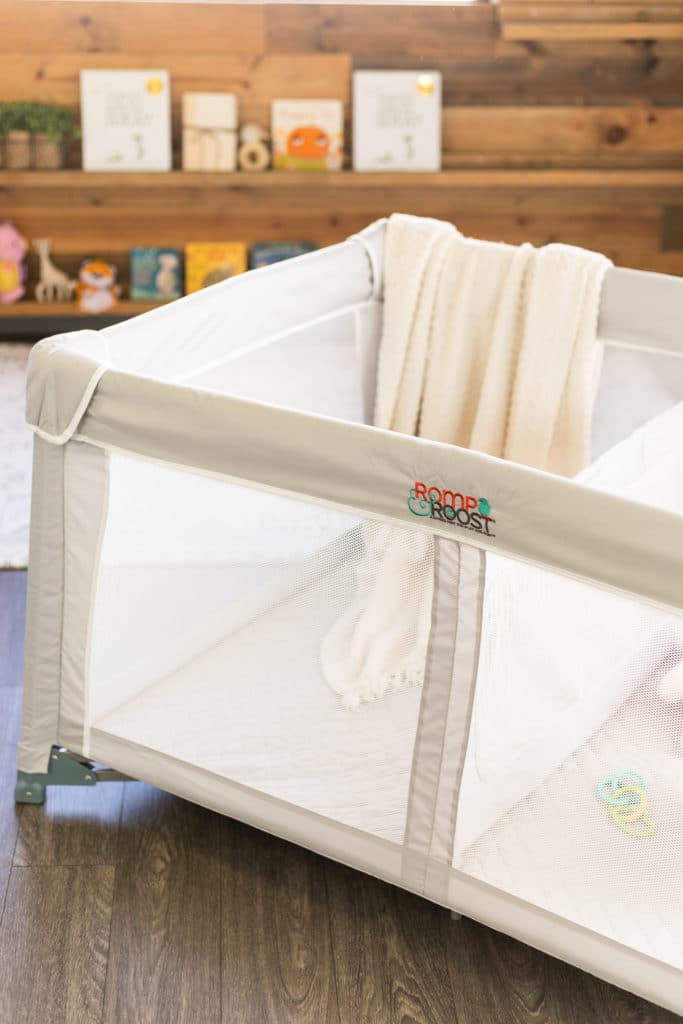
(318, 369)
(634, 387)
(217, 662)
(572, 795)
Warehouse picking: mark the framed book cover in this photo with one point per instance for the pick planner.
(262, 254)
(307, 135)
(396, 121)
(207, 263)
(156, 275)
(126, 120)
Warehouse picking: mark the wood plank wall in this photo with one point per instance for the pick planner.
(578, 19)
(513, 98)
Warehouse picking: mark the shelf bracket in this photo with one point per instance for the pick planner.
(64, 769)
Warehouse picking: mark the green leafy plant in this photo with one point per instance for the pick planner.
(43, 118)
(9, 120)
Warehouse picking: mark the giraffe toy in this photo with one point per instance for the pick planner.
(54, 284)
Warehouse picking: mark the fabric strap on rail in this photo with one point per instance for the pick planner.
(445, 714)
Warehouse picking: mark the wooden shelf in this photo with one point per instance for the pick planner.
(624, 212)
(30, 321)
(349, 180)
(124, 308)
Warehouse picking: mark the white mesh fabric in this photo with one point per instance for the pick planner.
(316, 368)
(572, 794)
(580, 755)
(219, 664)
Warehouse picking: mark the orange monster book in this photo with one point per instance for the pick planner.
(308, 135)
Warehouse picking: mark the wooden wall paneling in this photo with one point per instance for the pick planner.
(546, 30)
(79, 27)
(559, 74)
(54, 77)
(575, 226)
(553, 131)
(567, 11)
(112, 234)
(562, 19)
(628, 224)
(554, 103)
(659, 262)
(550, 159)
(383, 31)
(672, 228)
(544, 134)
(594, 3)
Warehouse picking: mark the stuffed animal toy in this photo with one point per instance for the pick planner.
(13, 248)
(96, 289)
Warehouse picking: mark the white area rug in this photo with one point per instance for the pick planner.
(15, 458)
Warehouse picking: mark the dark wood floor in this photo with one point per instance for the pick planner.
(128, 906)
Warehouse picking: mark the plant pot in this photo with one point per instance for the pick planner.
(46, 154)
(17, 150)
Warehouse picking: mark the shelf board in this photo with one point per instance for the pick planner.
(29, 321)
(51, 310)
(349, 180)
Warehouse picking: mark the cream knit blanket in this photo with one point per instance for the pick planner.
(486, 346)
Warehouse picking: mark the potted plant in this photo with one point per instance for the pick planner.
(15, 136)
(49, 125)
(32, 134)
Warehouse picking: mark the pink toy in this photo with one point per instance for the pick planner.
(12, 267)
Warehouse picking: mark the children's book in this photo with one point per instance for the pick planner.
(307, 135)
(156, 275)
(208, 263)
(126, 120)
(396, 120)
(264, 253)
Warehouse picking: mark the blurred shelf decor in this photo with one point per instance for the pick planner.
(561, 119)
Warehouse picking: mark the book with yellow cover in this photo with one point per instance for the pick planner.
(208, 263)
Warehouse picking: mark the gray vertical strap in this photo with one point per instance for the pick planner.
(445, 714)
(84, 527)
(45, 594)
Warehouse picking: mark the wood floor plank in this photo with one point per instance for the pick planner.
(12, 622)
(494, 979)
(399, 958)
(497, 980)
(591, 999)
(10, 716)
(76, 826)
(389, 958)
(164, 958)
(53, 945)
(277, 955)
